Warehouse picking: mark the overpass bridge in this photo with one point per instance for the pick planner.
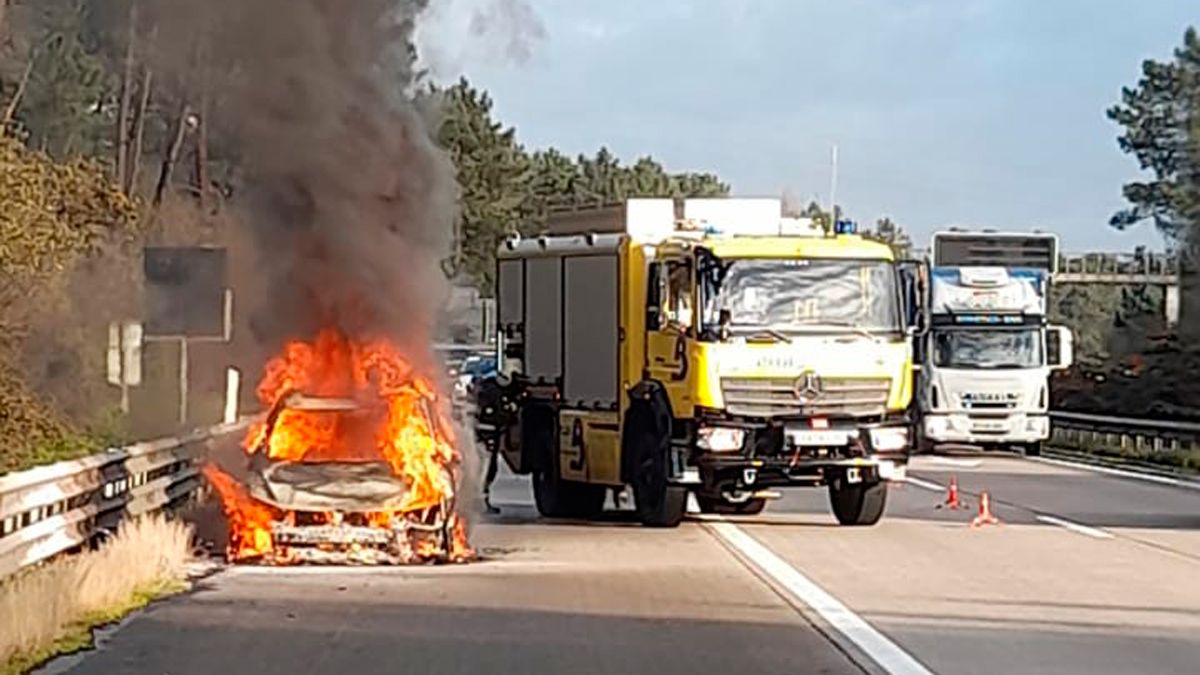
(1126, 269)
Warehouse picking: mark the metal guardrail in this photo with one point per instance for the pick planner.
(1133, 436)
(52, 509)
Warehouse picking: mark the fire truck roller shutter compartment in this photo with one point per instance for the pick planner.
(591, 330)
(511, 292)
(543, 318)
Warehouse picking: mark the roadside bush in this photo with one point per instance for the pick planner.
(54, 218)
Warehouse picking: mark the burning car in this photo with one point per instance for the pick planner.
(352, 463)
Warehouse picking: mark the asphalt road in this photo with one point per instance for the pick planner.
(1087, 574)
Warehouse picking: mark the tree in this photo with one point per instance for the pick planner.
(820, 216)
(51, 213)
(1160, 118)
(888, 232)
(61, 104)
(53, 216)
(495, 176)
(554, 176)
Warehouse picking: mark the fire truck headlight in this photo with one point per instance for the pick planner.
(889, 439)
(720, 439)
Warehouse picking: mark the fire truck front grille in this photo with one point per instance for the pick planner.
(778, 397)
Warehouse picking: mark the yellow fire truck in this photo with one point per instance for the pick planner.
(708, 346)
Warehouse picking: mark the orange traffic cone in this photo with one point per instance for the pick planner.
(985, 516)
(952, 502)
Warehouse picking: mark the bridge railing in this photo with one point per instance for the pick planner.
(1143, 267)
(55, 508)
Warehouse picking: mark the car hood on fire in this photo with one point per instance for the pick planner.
(351, 487)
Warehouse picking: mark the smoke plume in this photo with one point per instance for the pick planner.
(346, 199)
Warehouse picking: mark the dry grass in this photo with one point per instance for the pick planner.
(51, 609)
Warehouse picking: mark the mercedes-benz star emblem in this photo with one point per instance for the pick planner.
(808, 386)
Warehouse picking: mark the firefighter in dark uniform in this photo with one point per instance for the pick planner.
(489, 401)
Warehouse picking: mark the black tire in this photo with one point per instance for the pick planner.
(857, 504)
(658, 503)
(558, 498)
(554, 496)
(1032, 449)
(750, 507)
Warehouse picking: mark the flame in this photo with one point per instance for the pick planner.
(249, 520)
(397, 420)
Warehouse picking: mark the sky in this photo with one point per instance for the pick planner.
(969, 113)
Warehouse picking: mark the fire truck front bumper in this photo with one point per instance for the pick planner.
(810, 456)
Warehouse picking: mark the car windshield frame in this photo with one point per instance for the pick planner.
(994, 341)
(882, 276)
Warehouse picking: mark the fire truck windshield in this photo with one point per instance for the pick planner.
(795, 296)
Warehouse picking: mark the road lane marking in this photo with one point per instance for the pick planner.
(1074, 527)
(1148, 477)
(890, 656)
(953, 461)
(924, 484)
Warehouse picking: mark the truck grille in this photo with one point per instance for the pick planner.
(775, 397)
(989, 405)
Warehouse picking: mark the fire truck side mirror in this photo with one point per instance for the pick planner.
(912, 275)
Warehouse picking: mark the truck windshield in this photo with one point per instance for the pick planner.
(1005, 348)
(799, 295)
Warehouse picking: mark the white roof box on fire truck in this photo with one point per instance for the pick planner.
(650, 221)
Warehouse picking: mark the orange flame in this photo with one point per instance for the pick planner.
(398, 420)
(249, 520)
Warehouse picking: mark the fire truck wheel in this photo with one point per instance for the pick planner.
(1032, 449)
(556, 497)
(750, 507)
(658, 503)
(857, 503)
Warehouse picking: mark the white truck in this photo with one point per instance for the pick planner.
(985, 363)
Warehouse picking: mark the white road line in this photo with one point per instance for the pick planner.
(1149, 478)
(924, 484)
(954, 461)
(1074, 527)
(890, 656)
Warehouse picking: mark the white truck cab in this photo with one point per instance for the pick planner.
(986, 360)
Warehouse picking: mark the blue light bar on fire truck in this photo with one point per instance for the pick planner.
(844, 227)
